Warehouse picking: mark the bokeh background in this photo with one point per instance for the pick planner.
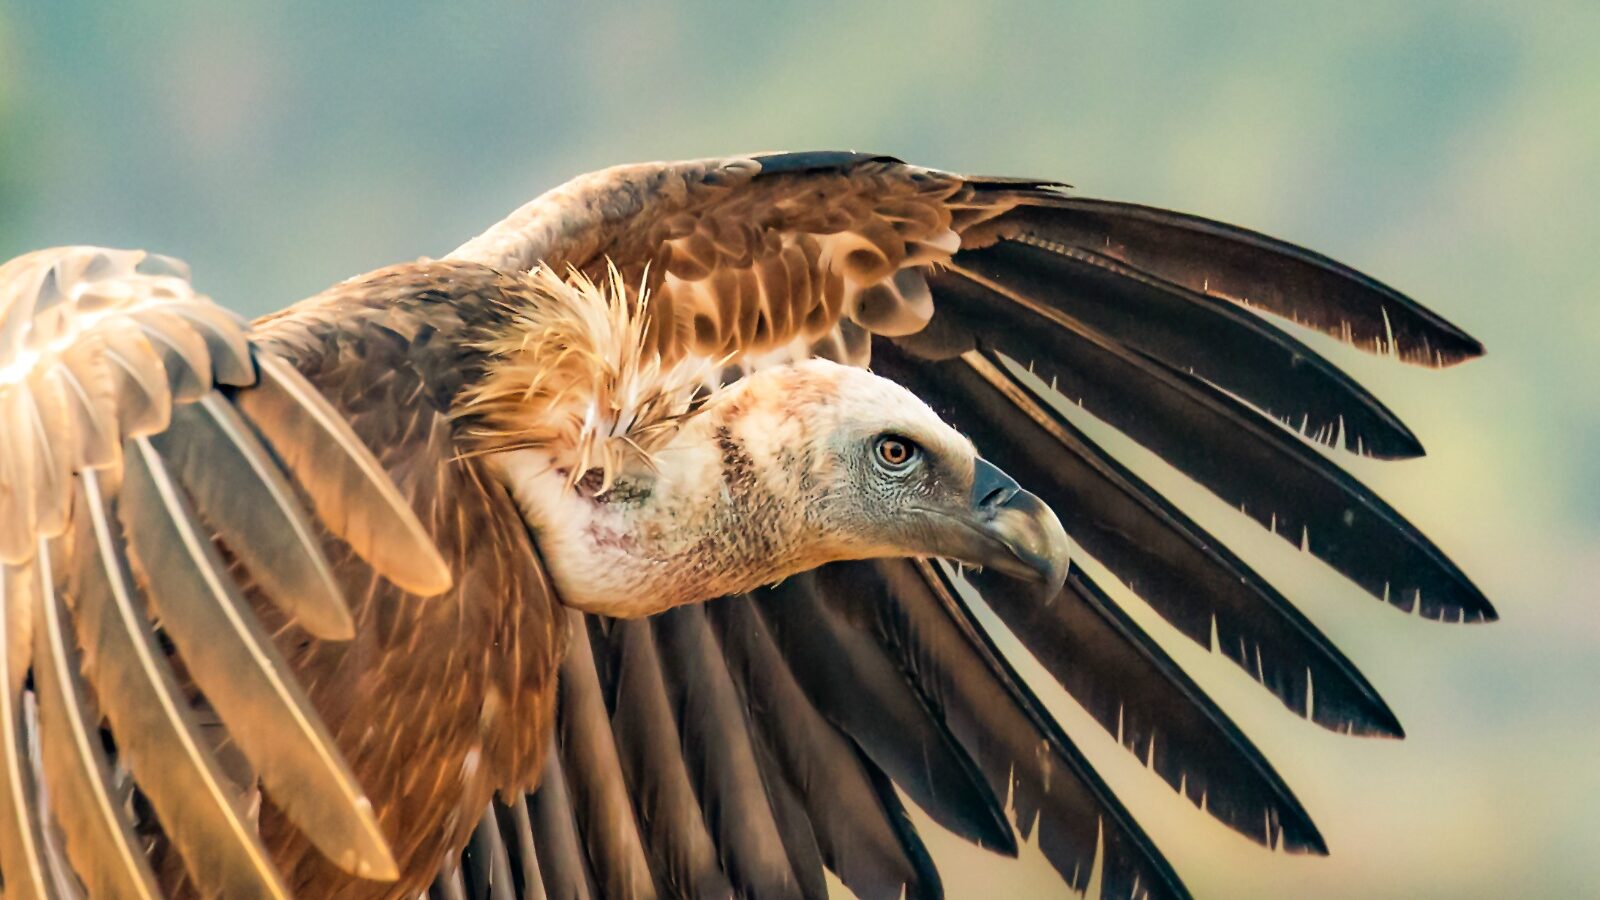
(1450, 148)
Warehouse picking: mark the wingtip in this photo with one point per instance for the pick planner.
(1310, 843)
(1473, 608)
(1463, 347)
(1397, 731)
(1397, 442)
(1380, 723)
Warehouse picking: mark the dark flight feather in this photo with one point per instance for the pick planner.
(859, 838)
(516, 821)
(1241, 456)
(563, 862)
(486, 862)
(594, 780)
(721, 762)
(1230, 346)
(794, 827)
(1141, 697)
(682, 852)
(856, 685)
(1254, 269)
(1187, 575)
(915, 614)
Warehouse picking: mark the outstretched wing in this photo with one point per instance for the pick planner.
(752, 742)
(137, 421)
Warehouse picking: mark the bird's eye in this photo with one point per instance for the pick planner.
(896, 454)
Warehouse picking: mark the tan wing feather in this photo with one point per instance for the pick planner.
(102, 352)
(21, 840)
(241, 672)
(240, 493)
(99, 841)
(158, 737)
(352, 494)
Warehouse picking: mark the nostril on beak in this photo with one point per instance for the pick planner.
(997, 497)
(991, 488)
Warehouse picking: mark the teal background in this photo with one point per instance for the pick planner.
(1451, 149)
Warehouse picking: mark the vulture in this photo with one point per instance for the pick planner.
(646, 544)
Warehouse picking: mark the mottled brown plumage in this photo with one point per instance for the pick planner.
(437, 703)
(410, 503)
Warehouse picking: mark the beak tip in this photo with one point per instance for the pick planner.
(1007, 530)
(1033, 537)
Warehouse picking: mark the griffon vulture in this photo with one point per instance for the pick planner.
(593, 560)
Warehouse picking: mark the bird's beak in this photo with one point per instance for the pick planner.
(1008, 530)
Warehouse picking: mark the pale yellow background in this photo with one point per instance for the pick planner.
(1452, 149)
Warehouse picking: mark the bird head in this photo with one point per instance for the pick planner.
(785, 470)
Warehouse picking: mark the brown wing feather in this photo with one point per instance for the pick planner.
(740, 259)
(436, 705)
(104, 357)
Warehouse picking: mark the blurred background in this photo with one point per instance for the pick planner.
(1451, 149)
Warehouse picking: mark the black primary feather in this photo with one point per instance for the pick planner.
(856, 685)
(1252, 268)
(1144, 700)
(682, 853)
(1238, 454)
(1057, 796)
(1186, 575)
(720, 759)
(1230, 346)
(860, 838)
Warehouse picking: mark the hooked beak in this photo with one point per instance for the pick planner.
(1008, 530)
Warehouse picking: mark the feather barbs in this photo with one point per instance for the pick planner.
(578, 375)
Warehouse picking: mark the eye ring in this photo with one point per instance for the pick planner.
(894, 453)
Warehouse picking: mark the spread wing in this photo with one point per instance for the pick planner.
(139, 420)
(753, 742)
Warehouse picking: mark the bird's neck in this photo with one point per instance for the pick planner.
(724, 510)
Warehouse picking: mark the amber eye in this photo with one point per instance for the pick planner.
(895, 453)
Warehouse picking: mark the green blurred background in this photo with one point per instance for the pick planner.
(1451, 149)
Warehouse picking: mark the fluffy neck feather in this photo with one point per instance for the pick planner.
(577, 376)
